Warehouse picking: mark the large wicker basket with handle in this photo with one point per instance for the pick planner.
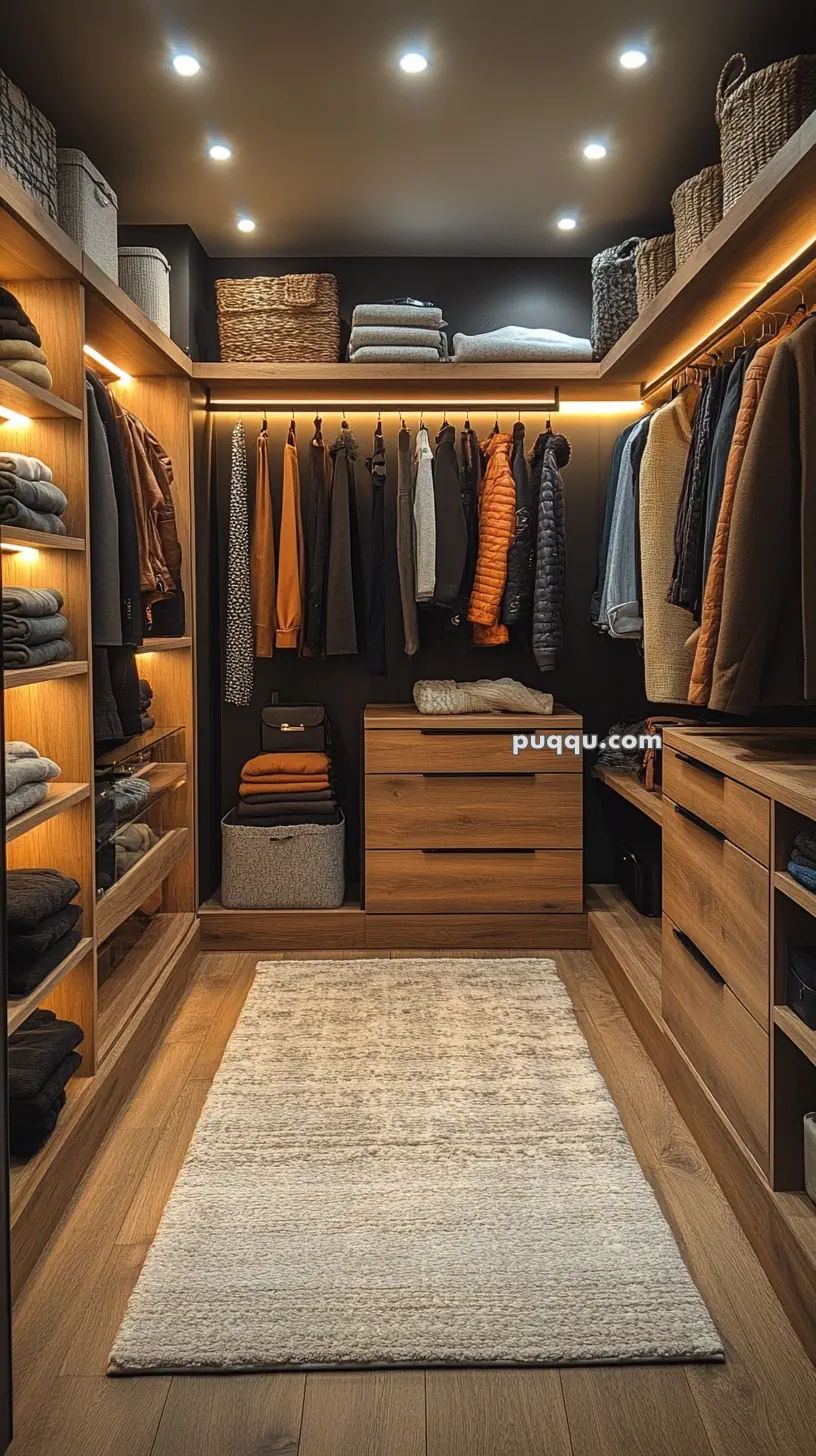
(654, 266)
(697, 207)
(757, 115)
(290, 320)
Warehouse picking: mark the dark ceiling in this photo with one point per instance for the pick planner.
(337, 152)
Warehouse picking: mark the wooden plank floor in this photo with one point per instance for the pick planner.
(761, 1402)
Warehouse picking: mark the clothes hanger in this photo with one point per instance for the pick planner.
(379, 429)
(495, 430)
(264, 424)
(467, 420)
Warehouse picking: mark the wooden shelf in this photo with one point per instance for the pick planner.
(796, 1031)
(21, 1007)
(163, 644)
(117, 328)
(162, 778)
(33, 247)
(123, 991)
(138, 883)
(630, 788)
(40, 540)
(794, 891)
(60, 797)
(626, 944)
(23, 677)
(25, 398)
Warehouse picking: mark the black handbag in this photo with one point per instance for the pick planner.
(295, 728)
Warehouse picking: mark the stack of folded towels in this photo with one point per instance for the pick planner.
(42, 925)
(515, 344)
(20, 345)
(34, 630)
(145, 704)
(404, 331)
(286, 788)
(802, 862)
(28, 496)
(27, 777)
(41, 1062)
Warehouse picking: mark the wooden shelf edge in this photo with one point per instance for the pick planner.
(796, 1031)
(56, 254)
(20, 1008)
(40, 540)
(156, 349)
(23, 677)
(139, 882)
(138, 973)
(790, 887)
(163, 644)
(631, 789)
(27, 398)
(58, 800)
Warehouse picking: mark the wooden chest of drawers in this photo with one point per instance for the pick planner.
(457, 823)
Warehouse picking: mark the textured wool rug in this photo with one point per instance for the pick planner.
(410, 1162)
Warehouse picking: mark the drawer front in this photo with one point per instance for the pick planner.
(453, 882)
(720, 897)
(721, 1039)
(451, 811)
(742, 815)
(443, 751)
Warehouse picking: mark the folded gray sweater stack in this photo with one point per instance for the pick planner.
(34, 630)
(27, 777)
(28, 496)
(397, 333)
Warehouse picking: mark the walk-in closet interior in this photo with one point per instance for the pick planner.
(407, 541)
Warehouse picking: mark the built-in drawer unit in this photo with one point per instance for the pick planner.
(739, 813)
(457, 880)
(484, 811)
(727, 1047)
(460, 751)
(719, 896)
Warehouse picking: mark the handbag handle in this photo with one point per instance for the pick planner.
(733, 72)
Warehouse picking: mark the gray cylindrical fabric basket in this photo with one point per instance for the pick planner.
(614, 294)
(144, 274)
(287, 867)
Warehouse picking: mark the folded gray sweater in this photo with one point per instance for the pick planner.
(33, 630)
(19, 654)
(24, 798)
(389, 314)
(371, 336)
(30, 601)
(28, 467)
(38, 495)
(21, 771)
(515, 344)
(397, 354)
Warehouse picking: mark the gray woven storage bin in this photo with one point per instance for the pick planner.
(88, 209)
(144, 274)
(654, 266)
(757, 114)
(28, 145)
(293, 867)
(697, 207)
(614, 294)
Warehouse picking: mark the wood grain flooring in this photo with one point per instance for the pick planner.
(760, 1402)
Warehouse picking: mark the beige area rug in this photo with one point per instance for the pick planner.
(410, 1162)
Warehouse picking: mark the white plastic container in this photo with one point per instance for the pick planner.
(144, 274)
(88, 209)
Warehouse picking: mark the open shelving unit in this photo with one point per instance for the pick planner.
(629, 787)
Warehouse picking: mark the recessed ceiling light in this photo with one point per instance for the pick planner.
(245, 225)
(186, 65)
(567, 224)
(633, 60)
(220, 153)
(412, 63)
(594, 151)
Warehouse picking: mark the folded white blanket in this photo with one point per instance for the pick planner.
(515, 344)
(397, 354)
(28, 467)
(412, 314)
(372, 336)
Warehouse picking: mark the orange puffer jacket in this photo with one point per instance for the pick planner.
(497, 521)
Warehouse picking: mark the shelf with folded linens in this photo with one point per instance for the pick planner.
(60, 796)
(19, 1007)
(29, 399)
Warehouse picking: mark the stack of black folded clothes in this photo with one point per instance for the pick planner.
(287, 788)
(145, 704)
(43, 925)
(41, 1061)
(21, 347)
(34, 630)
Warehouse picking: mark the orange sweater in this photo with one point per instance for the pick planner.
(497, 520)
(284, 765)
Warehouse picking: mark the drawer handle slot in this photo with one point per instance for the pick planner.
(700, 823)
(465, 732)
(716, 773)
(696, 954)
(466, 775)
(478, 851)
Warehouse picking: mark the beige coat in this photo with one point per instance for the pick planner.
(668, 657)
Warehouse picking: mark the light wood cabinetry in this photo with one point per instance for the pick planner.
(741, 814)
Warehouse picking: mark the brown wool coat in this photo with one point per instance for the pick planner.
(497, 523)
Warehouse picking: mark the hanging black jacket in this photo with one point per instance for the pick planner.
(551, 452)
(345, 607)
(314, 628)
(129, 580)
(451, 531)
(375, 631)
(517, 602)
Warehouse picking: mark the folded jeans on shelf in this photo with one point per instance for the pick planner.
(26, 977)
(802, 875)
(25, 798)
(38, 495)
(34, 629)
(30, 601)
(33, 895)
(17, 655)
(14, 513)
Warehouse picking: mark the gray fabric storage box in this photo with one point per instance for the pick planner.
(144, 274)
(28, 145)
(88, 209)
(291, 867)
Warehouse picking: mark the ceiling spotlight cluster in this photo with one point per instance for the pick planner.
(595, 150)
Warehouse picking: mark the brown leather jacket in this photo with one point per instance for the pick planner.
(151, 479)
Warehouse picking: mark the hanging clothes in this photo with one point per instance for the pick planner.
(239, 664)
(496, 526)
(551, 554)
(405, 543)
(424, 518)
(151, 478)
(665, 627)
(290, 552)
(620, 607)
(684, 586)
(106, 611)
(639, 442)
(718, 462)
(449, 520)
(342, 620)
(262, 561)
(470, 480)
(609, 512)
(314, 629)
(129, 584)
(517, 603)
(375, 630)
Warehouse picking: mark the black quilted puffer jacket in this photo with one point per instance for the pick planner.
(550, 454)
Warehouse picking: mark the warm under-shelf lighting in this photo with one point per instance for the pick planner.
(14, 418)
(600, 406)
(121, 374)
(23, 553)
(454, 406)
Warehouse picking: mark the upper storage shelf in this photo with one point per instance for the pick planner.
(119, 330)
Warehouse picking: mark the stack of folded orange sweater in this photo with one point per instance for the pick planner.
(286, 788)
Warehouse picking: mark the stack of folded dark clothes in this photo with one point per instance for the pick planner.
(28, 496)
(41, 1062)
(20, 345)
(43, 925)
(802, 862)
(27, 777)
(145, 704)
(286, 788)
(626, 759)
(34, 630)
(401, 331)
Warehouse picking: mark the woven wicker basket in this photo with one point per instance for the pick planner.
(614, 295)
(697, 207)
(290, 320)
(757, 114)
(654, 266)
